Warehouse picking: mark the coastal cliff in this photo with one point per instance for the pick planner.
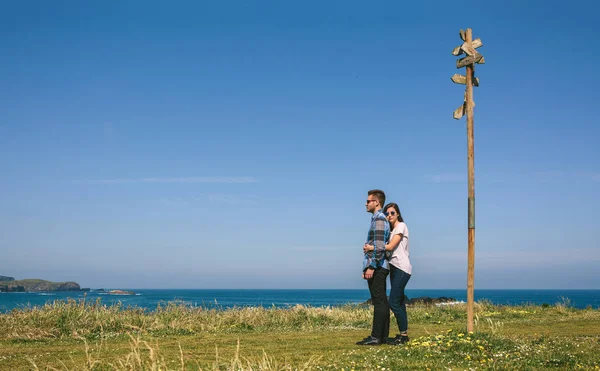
(9, 284)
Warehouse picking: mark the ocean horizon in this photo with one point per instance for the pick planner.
(149, 299)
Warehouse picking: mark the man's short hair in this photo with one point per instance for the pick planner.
(379, 195)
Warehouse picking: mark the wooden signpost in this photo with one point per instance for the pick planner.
(469, 79)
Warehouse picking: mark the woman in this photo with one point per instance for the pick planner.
(400, 269)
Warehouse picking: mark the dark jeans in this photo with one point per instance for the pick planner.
(381, 315)
(398, 281)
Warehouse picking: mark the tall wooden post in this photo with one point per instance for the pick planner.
(469, 80)
(471, 176)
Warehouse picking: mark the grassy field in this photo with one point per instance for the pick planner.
(91, 336)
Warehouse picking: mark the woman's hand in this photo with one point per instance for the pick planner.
(368, 248)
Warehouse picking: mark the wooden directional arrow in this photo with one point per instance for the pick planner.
(468, 60)
(463, 35)
(459, 49)
(469, 49)
(459, 79)
(462, 79)
(459, 112)
(481, 61)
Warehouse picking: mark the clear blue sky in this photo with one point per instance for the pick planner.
(230, 144)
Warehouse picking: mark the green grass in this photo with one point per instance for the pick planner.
(78, 335)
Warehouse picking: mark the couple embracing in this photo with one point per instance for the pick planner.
(386, 253)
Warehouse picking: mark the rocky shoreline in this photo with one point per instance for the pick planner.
(115, 292)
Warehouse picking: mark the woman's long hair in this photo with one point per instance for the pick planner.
(395, 206)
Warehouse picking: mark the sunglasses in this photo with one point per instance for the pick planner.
(371, 201)
(390, 213)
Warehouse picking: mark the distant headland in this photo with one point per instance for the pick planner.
(9, 284)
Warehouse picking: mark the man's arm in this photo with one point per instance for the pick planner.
(378, 242)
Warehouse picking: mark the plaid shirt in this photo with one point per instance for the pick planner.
(379, 235)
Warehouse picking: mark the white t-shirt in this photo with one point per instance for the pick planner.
(400, 255)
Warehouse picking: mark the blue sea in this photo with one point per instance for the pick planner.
(222, 299)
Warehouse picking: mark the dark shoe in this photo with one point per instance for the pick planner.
(398, 340)
(369, 341)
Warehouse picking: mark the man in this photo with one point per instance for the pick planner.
(376, 268)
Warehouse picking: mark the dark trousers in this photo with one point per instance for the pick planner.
(381, 315)
(398, 281)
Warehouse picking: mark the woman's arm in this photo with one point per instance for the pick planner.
(394, 242)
